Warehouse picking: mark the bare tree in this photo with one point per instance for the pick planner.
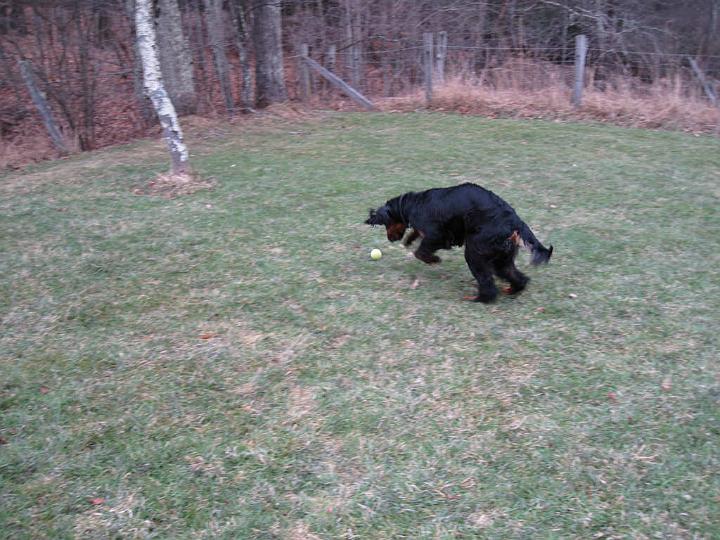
(88, 83)
(143, 105)
(176, 61)
(156, 90)
(267, 37)
(353, 37)
(199, 45)
(216, 33)
(241, 42)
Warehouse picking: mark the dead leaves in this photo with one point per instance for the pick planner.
(170, 186)
(238, 333)
(339, 341)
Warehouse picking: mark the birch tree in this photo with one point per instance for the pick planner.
(156, 90)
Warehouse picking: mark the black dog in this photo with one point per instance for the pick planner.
(465, 214)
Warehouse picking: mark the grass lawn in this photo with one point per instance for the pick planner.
(231, 363)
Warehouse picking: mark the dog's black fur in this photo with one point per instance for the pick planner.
(466, 214)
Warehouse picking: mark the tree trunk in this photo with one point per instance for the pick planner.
(87, 82)
(10, 76)
(267, 36)
(199, 45)
(357, 46)
(145, 32)
(176, 61)
(216, 33)
(142, 100)
(354, 47)
(600, 11)
(241, 42)
(13, 18)
(481, 56)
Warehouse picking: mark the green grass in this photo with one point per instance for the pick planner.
(340, 397)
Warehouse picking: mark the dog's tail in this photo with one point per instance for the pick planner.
(540, 254)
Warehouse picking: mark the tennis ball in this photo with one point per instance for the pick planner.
(375, 254)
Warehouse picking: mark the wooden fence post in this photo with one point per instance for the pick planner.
(304, 73)
(330, 63)
(43, 108)
(440, 54)
(330, 60)
(339, 83)
(356, 52)
(580, 54)
(428, 64)
(352, 32)
(707, 87)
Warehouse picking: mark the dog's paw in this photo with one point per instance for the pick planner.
(428, 258)
(487, 298)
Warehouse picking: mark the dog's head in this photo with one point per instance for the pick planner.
(384, 215)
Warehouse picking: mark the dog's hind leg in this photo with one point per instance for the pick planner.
(505, 269)
(482, 272)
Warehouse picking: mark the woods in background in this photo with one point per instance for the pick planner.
(231, 56)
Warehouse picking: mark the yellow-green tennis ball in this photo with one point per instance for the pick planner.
(375, 254)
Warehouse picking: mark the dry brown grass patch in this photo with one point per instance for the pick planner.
(542, 90)
(301, 403)
(169, 185)
(301, 531)
(117, 518)
(286, 111)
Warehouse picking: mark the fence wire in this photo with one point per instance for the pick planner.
(382, 67)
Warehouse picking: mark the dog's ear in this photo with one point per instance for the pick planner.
(381, 216)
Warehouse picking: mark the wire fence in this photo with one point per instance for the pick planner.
(387, 72)
(407, 57)
(376, 66)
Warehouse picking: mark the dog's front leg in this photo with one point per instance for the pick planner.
(410, 238)
(426, 251)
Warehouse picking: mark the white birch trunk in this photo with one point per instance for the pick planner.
(155, 89)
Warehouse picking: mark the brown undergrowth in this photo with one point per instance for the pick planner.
(519, 89)
(670, 104)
